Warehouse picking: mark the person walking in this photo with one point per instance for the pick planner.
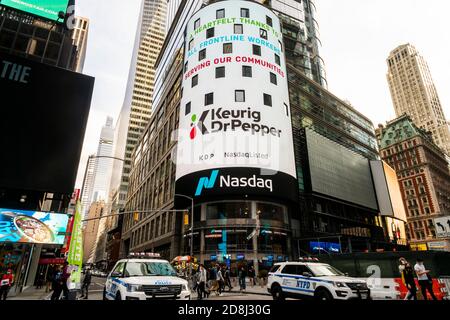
(227, 277)
(85, 286)
(64, 278)
(213, 283)
(242, 278)
(407, 273)
(57, 284)
(49, 280)
(202, 278)
(425, 280)
(6, 282)
(220, 281)
(252, 276)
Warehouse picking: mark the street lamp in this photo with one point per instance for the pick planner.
(192, 229)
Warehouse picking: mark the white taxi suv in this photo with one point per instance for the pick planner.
(309, 278)
(145, 277)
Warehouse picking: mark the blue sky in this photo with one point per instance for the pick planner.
(356, 35)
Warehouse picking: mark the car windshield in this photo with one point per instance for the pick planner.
(144, 269)
(324, 270)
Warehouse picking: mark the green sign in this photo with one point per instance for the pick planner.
(75, 256)
(48, 9)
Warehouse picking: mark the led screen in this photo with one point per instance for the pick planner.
(48, 9)
(18, 226)
(340, 173)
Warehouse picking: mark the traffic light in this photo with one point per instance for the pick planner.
(186, 218)
(136, 216)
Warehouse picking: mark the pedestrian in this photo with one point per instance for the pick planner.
(6, 282)
(227, 277)
(220, 280)
(64, 278)
(85, 286)
(213, 284)
(407, 273)
(202, 278)
(242, 278)
(57, 284)
(425, 280)
(252, 275)
(40, 281)
(49, 280)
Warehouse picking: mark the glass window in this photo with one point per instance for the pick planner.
(197, 24)
(273, 78)
(256, 50)
(220, 72)
(268, 211)
(209, 99)
(228, 210)
(142, 269)
(220, 14)
(277, 59)
(267, 100)
(194, 81)
(247, 71)
(191, 44)
(238, 29)
(269, 21)
(239, 95)
(263, 33)
(202, 55)
(227, 48)
(209, 33)
(245, 13)
(119, 268)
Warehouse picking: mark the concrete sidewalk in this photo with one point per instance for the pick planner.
(32, 294)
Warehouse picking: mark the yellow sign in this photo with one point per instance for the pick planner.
(419, 247)
(186, 218)
(136, 216)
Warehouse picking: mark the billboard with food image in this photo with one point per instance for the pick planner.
(19, 226)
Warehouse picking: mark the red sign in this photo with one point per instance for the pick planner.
(52, 261)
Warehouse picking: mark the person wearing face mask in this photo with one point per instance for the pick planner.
(407, 272)
(6, 282)
(425, 281)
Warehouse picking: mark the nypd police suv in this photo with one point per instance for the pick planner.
(144, 277)
(310, 279)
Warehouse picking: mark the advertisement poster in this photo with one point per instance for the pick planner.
(75, 257)
(18, 226)
(48, 9)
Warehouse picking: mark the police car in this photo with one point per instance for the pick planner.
(309, 278)
(145, 277)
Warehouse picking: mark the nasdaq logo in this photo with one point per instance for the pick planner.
(206, 183)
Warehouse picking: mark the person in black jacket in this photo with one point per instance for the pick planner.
(407, 272)
(86, 283)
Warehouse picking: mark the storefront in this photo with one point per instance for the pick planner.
(241, 233)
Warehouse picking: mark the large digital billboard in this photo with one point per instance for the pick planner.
(44, 112)
(235, 134)
(339, 172)
(48, 9)
(18, 226)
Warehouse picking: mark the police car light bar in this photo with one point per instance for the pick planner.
(144, 255)
(308, 259)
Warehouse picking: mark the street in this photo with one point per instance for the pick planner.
(96, 293)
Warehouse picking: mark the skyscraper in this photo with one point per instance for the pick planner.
(80, 39)
(137, 107)
(88, 185)
(414, 93)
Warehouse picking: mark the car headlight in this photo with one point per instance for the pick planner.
(134, 288)
(339, 284)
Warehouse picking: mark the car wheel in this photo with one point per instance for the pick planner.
(118, 296)
(277, 293)
(323, 294)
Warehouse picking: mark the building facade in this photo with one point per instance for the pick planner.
(90, 231)
(424, 179)
(414, 93)
(138, 104)
(80, 40)
(243, 228)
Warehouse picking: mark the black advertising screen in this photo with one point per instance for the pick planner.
(44, 112)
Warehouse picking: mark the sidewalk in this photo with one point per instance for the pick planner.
(32, 294)
(252, 290)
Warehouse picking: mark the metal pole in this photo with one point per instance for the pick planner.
(192, 237)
